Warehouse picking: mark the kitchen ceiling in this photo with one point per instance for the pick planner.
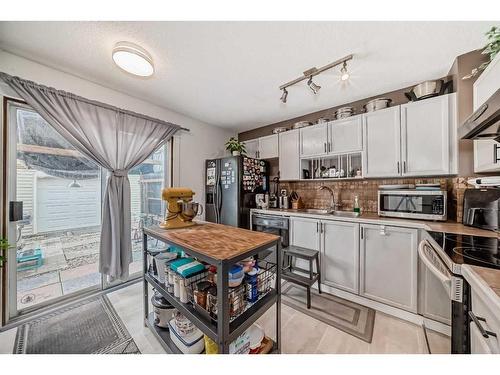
(228, 73)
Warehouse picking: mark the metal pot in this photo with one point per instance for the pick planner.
(376, 104)
(301, 124)
(189, 210)
(280, 129)
(428, 89)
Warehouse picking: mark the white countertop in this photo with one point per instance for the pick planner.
(372, 218)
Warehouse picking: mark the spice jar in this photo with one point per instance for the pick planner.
(212, 274)
(200, 293)
(212, 301)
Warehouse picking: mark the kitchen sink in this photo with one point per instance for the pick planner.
(345, 213)
(327, 212)
(315, 211)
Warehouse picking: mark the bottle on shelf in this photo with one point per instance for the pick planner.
(356, 204)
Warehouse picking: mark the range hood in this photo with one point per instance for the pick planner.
(484, 123)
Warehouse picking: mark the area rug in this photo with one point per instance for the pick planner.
(339, 313)
(91, 326)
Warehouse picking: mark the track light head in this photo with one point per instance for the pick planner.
(314, 87)
(344, 74)
(284, 95)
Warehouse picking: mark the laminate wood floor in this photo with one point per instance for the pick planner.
(300, 332)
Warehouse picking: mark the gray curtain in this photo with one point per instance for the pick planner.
(117, 140)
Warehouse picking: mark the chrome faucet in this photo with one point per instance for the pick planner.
(333, 204)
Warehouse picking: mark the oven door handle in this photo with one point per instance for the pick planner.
(442, 276)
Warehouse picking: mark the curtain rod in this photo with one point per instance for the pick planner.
(7, 77)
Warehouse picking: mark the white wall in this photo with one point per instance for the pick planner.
(204, 141)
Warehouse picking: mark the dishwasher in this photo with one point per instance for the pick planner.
(274, 224)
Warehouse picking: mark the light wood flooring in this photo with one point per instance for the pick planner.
(300, 333)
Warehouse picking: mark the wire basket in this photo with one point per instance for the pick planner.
(240, 297)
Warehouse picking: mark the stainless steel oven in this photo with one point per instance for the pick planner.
(413, 204)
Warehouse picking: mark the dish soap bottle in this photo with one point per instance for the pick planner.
(356, 205)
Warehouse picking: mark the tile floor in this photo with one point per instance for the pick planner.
(300, 333)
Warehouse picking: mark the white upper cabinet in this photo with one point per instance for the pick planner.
(427, 137)
(289, 155)
(313, 140)
(340, 255)
(268, 147)
(486, 152)
(486, 156)
(382, 143)
(346, 135)
(263, 147)
(252, 147)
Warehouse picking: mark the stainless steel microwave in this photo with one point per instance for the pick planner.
(413, 204)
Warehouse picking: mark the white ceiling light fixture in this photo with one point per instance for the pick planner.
(344, 74)
(314, 87)
(284, 95)
(133, 59)
(310, 73)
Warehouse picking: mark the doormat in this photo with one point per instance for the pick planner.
(339, 313)
(91, 326)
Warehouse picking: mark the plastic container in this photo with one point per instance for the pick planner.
(236, 272)
(252, 290)
(192, 343)
(161, 260)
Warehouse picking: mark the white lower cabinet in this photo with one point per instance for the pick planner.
(340, 255)
(304, 233)
(388, 265)
(487, 320)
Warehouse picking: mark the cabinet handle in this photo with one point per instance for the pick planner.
(404, 166)
(317, 227)
(495, 153)
(329, 147)
(325, 146)
(321, 227)
(398, 167)
(476, 319)
(362, 232)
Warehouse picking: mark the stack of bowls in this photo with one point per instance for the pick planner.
(344, 112)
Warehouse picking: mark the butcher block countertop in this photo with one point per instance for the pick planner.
(216, 241)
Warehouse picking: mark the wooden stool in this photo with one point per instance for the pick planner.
(295, 252)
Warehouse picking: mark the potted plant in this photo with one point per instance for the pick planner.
(491, 49)
(4, 246)
(235, 147)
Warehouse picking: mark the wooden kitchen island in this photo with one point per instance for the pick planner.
(221, 246)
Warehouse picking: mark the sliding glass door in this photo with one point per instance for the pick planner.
(56, 241)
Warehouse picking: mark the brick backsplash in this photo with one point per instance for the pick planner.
(367, 189)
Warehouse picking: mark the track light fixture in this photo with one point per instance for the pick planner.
(314, 87)
(344, 74)
(310, 73)
(284, 95)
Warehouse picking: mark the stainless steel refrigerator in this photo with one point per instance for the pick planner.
(231, 185)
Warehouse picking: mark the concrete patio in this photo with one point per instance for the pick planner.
(70, 264)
